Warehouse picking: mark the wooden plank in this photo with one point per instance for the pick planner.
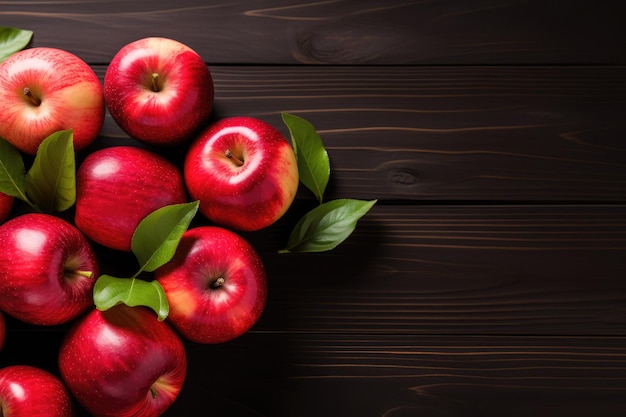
(446, 133)
(456, 270)
(337, 32)
(310, 374)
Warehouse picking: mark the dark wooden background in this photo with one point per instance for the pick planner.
(490, 278)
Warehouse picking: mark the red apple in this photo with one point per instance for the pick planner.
(6, 204)
(27, 391)
(215, 285)
(243, 172)
(3, 331)
(47, 269)
(159, 90)
(123, 362)
(117, 187)
(44, 90)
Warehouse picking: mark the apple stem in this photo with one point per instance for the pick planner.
(218, 283)
(230, 155)
(33, 98)
(155, 82)
(87, 274)
(153, 393)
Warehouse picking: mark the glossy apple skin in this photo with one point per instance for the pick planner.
(245, 197)
(179, 108)
(27, 391)
(111, 361)
(202, 310)
(6, 204)
(117, 187)
(3, 330)
(71, 98)
(39, 260)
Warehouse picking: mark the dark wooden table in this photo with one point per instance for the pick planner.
(490, 278)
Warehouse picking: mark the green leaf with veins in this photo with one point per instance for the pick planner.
(157, 236)
(313, 162)
(110, 291)
(327, 225)
(51, 180)
(13, 40)
(154, 243)
(12, 171)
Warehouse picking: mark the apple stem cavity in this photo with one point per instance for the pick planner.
(72, 270)
(36, 101)
(155, 82)
(230, 155)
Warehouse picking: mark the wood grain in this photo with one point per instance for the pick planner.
(490, 277)
(336, 32)
(457, 270)
(402, 376)
(295, 373)
(446, 133)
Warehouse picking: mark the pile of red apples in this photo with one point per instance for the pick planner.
(242, 171)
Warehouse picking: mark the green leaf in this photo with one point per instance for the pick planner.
(13, 40)
(327, 225)
(110, 291)
(51, 180)
(12, 171)
(313, 162)
(157, 236)
(154, 243)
